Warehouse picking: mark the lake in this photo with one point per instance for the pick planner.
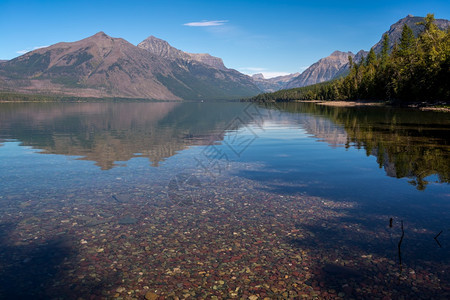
(223, 200)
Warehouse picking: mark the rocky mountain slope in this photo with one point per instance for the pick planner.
(272, 84)
(344, 70)
(210, 60)
(102, 66)
(395, 31)
(323, 70)
(164, 49)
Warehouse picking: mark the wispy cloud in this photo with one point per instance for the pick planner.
(267, 74)
(274, 74)
(28, 50)
(206, 23)
(252, 69)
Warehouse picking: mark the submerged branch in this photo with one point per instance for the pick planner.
(435, 238)
(400, 246)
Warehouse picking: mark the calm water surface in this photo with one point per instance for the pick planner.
(223, 200)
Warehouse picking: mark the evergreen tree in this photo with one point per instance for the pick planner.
(407, 41)
(350, 61)
(371, 58)
(385, 50)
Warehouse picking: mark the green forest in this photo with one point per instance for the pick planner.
(417, 69)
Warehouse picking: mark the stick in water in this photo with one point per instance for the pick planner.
(435, 238)
(399, 247)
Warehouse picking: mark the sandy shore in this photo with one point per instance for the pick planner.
(362, 103)
(441, 109)
(347, 103)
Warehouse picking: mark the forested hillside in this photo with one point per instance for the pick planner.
(417, 69)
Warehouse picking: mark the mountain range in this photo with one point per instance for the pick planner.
(103, 66)
(325, 69)
(272, 84)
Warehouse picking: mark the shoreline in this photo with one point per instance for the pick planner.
(343, 103)
(349, 103)
(340, 103)
(431, 108)
(380, 104)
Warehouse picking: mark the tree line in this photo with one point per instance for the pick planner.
(415, 70)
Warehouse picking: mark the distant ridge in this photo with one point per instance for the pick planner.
(272, 84)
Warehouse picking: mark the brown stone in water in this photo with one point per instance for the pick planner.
(151, 296)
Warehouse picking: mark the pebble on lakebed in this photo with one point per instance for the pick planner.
(238, 240)
(151, 296)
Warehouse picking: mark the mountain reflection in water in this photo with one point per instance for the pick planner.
(406, 143)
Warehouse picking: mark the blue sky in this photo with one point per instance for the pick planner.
(272, 37)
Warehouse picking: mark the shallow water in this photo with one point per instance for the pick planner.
(232, 200)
